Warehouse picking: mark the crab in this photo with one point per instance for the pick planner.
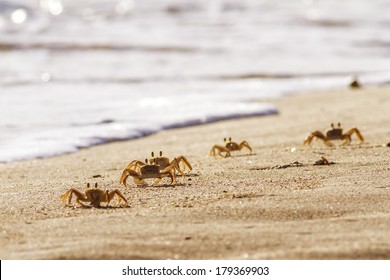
(335, 134)
(93, 196)
(156, 169)
(229, 147)
(163, 162)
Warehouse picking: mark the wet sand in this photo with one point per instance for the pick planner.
(242, 207)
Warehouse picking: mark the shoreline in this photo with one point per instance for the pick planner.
(96, 140)
(234, 208)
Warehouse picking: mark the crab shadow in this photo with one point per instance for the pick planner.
(245, 155)
(237, 156)
(166, 186)
(189, 175)
(99, 207)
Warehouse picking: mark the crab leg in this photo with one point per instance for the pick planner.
(111, 194)
(135, 165)
(124, 176)
(347, 139)
(355, 130)
(212, 151)
(185, 162)
(77, 193)
(219, 149)
(245, 144)
(169, 172)
(319, 135)
(130, 172)
(176, 164)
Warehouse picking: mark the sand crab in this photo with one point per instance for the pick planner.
(229, 147)
(146, 170)
(335, 134)
(93, 196)
(163, 162)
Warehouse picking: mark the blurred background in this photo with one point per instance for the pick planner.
(79, 73)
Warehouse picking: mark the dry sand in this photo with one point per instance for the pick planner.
(227, 208)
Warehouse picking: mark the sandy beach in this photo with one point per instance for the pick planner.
(242, 207)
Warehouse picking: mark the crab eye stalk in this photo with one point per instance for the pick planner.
(152, 154)
(339, 124)
(230, 139)
(224, 139)
(95, 185)
(332, 125)
(160, 153)
(88, 185)
(146, 161)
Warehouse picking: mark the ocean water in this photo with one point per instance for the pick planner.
(74, 74)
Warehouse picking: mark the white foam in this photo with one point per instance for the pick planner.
(54, 119)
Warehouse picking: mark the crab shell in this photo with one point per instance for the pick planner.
(334, 134)
(150, 171)
(232, 146)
